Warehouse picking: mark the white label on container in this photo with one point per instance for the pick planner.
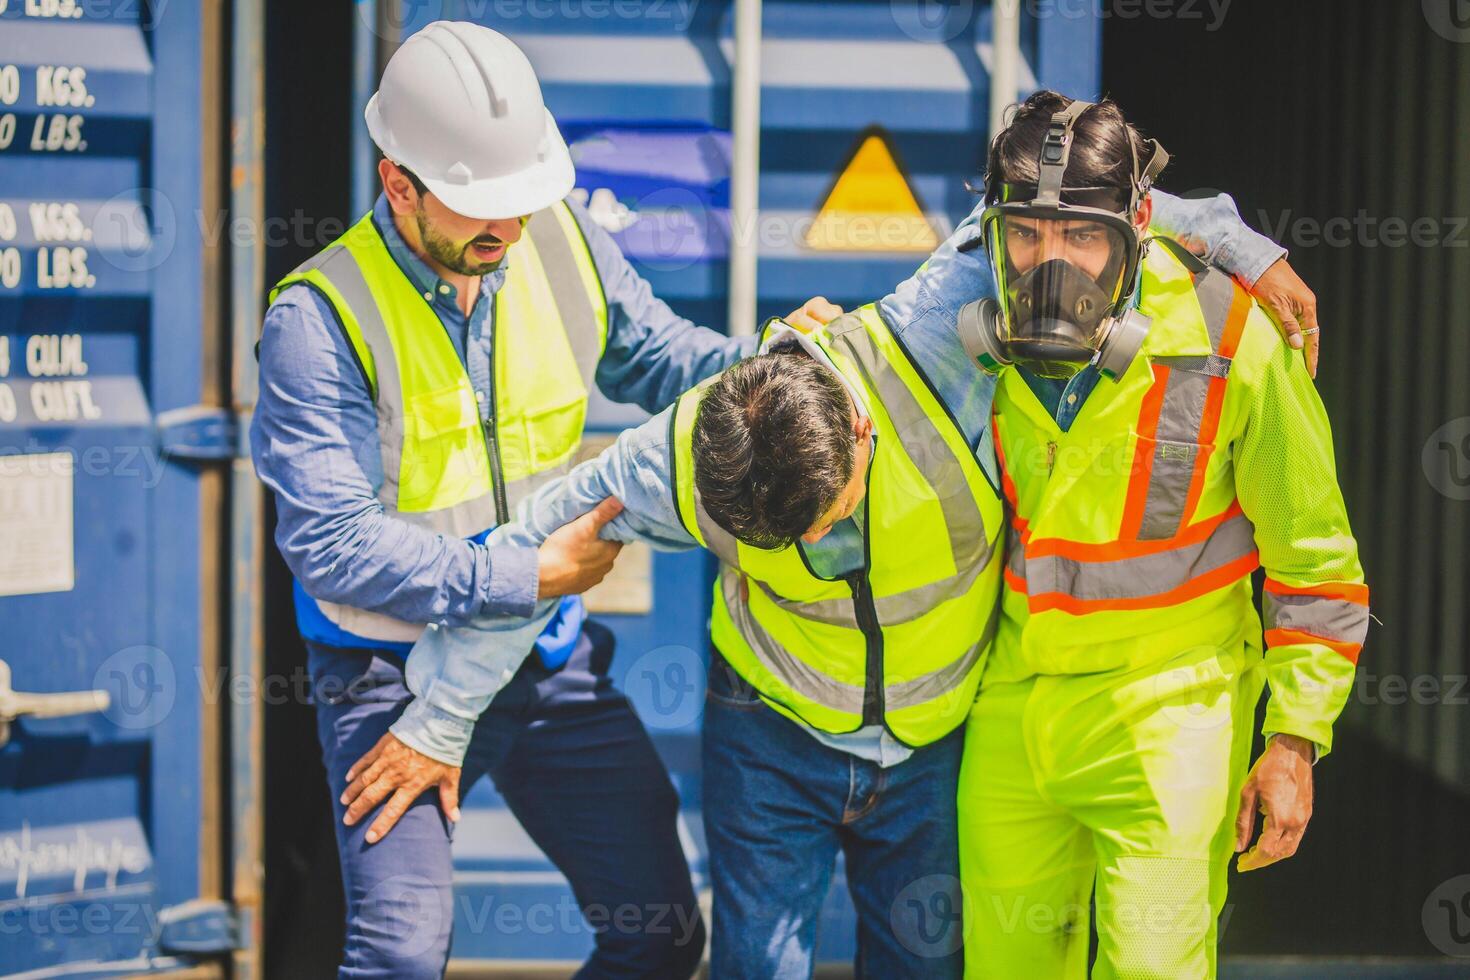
(36, 551)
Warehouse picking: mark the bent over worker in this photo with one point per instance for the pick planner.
(1159, 443)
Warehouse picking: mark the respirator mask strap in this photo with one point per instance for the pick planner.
(1056, 150)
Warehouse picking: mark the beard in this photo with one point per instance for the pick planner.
(454, 256)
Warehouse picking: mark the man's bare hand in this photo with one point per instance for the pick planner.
(1280, 783)
(394, 772)
(814, 314)
(1293, 306)
(573, 558)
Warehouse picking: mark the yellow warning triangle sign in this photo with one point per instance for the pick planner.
(871, 207)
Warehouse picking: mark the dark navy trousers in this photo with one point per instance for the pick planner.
(578, 771)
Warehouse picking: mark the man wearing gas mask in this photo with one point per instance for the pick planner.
(1159, 442)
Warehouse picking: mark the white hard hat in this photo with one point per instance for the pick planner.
(459, 105)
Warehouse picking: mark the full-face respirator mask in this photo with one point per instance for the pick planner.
(1065, 261)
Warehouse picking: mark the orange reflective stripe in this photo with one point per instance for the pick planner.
(1143, 462)
(1007, 485)
(1346, 591)
(1217, 578)
(1114, 550)
(1240, 308)
(1015, 582)
(1285, 638)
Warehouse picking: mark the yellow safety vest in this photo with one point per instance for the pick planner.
(901, 641)
(1127, 543)
(448, 464)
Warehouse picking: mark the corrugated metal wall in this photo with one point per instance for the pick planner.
(1343, 129)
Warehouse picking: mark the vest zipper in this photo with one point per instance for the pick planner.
(497, 480)
(1051, 457)
(867, 619)
(866, 613)
(492, 438)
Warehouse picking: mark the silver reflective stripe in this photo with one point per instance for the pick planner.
(922, 441)
(1211, 364)
(340, 267)
(716, 538)
(1181, 414)
(1175, 448)
(464, 520)
(1332, 619)
(371, 625)
(1216, 292)
(578, 315)
(518, 490)
(831, 612)
(1015, 552)
(792, 672)
(1143, 575)
(892, 610)
(934, 685)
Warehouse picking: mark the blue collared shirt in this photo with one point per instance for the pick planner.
(455, 673)
(315, 443)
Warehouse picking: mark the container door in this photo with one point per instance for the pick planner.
(110, 552)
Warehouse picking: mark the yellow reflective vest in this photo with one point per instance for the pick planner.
(450, 464)
(1133, 535)
(901, 641)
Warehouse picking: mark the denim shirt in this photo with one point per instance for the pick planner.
(315, 443)
(456, 672)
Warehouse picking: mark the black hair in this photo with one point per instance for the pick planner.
(1100, 155)
(773, 447)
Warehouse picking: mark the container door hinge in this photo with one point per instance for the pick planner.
(201, 433)
(197, 928)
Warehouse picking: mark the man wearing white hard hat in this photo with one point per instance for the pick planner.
(419, 377)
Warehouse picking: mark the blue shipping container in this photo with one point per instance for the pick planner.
(112, 556)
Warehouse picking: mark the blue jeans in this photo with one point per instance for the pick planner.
(778, 805)
(582, 778)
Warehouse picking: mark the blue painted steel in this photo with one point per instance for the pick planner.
(102, 815)
(642, 92)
